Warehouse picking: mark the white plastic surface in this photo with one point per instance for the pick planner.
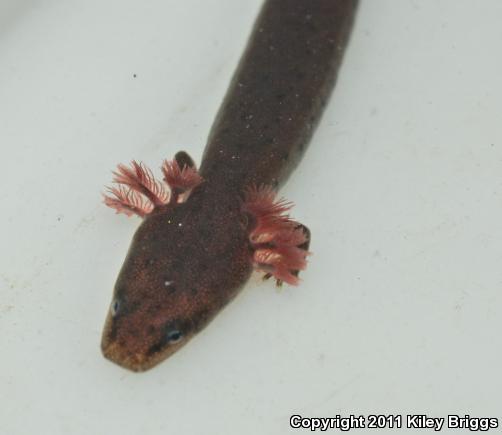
(400, 310)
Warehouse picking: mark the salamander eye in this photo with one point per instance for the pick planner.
(174, 336)
(114, 309)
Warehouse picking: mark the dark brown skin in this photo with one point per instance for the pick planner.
(187, 261)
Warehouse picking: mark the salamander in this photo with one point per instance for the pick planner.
(204, 231)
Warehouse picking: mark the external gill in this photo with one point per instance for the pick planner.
(280, 244)
(139, 192)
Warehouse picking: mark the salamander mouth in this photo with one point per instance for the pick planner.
(129, 358)
(136, 362)
(116, 352)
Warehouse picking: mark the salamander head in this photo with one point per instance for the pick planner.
(185, 263)
(194, 250)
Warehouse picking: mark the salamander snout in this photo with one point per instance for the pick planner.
(120, 355)
(136, 361)
(138, 343)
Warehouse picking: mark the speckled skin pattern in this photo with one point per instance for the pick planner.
(187, 261)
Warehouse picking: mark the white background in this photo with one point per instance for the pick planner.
(400, 310)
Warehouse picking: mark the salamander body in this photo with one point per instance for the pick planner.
(200, 240)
